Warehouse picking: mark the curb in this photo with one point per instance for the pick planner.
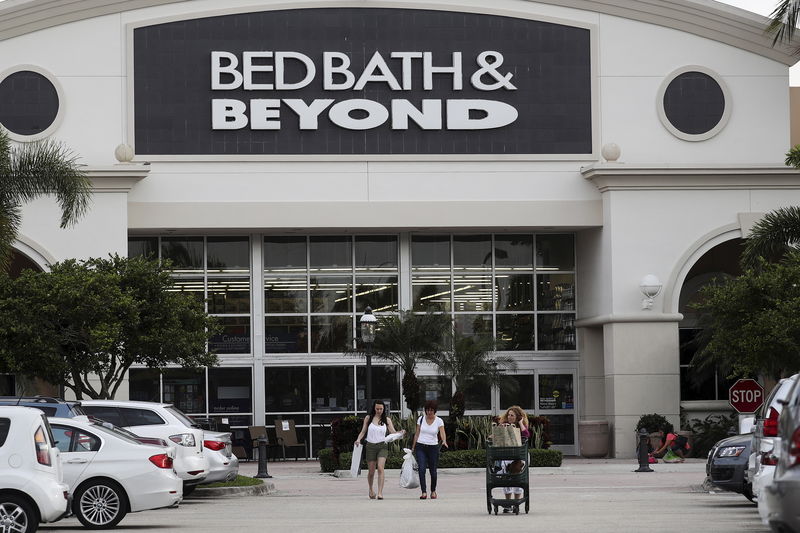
(226, 492)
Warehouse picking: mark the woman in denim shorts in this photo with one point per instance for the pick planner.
(375, 427)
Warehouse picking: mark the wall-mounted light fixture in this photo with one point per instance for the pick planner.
(650, 287)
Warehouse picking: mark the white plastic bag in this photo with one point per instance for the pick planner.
(355, 462)
(409, 472)
(391, 437)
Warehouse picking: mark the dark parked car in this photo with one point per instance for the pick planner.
(783, 494)
(727, 464)
(49, 406)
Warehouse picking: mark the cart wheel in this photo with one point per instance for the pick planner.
(495, 509)
(489, 507)
(516, 509)
(527, 506)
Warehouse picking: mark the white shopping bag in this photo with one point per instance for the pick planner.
(356, 461)
(391, 437)
(409, 472)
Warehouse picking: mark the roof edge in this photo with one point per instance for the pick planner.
(706, 18)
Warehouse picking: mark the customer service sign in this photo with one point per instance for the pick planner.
(357, 81)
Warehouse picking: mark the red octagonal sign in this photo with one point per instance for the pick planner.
(746, 395)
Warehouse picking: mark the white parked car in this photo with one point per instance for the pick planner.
(31, 486)
(222, 464)
(148, 419)
(766, 443)
(111, 474)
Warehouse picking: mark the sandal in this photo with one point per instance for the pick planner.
(424, 496)
(371, 494)
(380, 497)
(433, 495)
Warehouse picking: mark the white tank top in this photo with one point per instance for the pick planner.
(376, 434)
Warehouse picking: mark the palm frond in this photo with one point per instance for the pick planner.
(772, 236)
(10, 220)
(47, 167)
(783, 21)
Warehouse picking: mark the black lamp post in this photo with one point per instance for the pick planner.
(368, 323)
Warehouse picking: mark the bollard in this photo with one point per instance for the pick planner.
(644, 463)
(262, 458)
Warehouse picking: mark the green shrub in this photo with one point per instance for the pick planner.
(707, 432)
(344, 432)
(542, 458)
(654, 423)
(463, 459)
(327, 461)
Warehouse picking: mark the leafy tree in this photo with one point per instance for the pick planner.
(406, 340)
(86, 322)
(752, 323)
(31, 170)
(467, 360)
(772, 236)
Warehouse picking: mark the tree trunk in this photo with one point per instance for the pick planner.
(411, 391)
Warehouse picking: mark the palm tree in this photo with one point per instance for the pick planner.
(772, 236)
(783, 20)
(407, 339)
(470, 359)
(31, 170)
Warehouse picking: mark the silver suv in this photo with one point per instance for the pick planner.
(31, 487)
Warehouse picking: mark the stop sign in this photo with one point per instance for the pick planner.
(746, 395)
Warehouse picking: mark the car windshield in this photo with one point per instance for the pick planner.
(185, 419)
(111, 429)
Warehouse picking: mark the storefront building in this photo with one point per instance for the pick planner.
(522, 167)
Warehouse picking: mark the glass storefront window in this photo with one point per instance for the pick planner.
(473, 324)
(331, 294)
(472, 252)
(436, 388)
(191, 285)
(286, 334)
(331, 254)
(385, 386)
(555, 292)
(286, 295)
(331, 333)
(555, 252)
(286, 389)
(430, 252)
(472, 292)
(185, 388)
(333, 388)
(186, 253)
(228, 295)
(235, 336)
(144, 384)
(143, 247)
(431, 293)
(514, 292)
(518, 389)
(513, 252)
(556, 391)
(562, 429)
(376, 253)
(228, 254)
(285, 254)
(478, 396)
(230, 390)
(515, 332)
(556, 331)
(377, 292)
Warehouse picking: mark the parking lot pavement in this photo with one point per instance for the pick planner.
(582, 495)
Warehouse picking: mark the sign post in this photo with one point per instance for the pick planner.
(746, 396)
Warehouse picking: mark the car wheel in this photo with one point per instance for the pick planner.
(100, 504)
(17, 515)
(748, 492)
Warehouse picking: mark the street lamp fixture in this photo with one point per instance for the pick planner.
(368, 322)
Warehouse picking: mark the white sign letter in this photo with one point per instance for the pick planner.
(280, 82)
(385, 75)
(406, 58)
(261, 111)
(428, 70)
(430, 118)
(217, 69)
(228, 114)
(376, 114)
(329, 70)
(248, 67)
(498, 114)
(308, 113)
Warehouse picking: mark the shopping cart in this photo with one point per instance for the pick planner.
(507, 466)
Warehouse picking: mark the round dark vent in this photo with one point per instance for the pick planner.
(28, 103)
(694, 103)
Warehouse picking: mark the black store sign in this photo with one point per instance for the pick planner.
(361, 81)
